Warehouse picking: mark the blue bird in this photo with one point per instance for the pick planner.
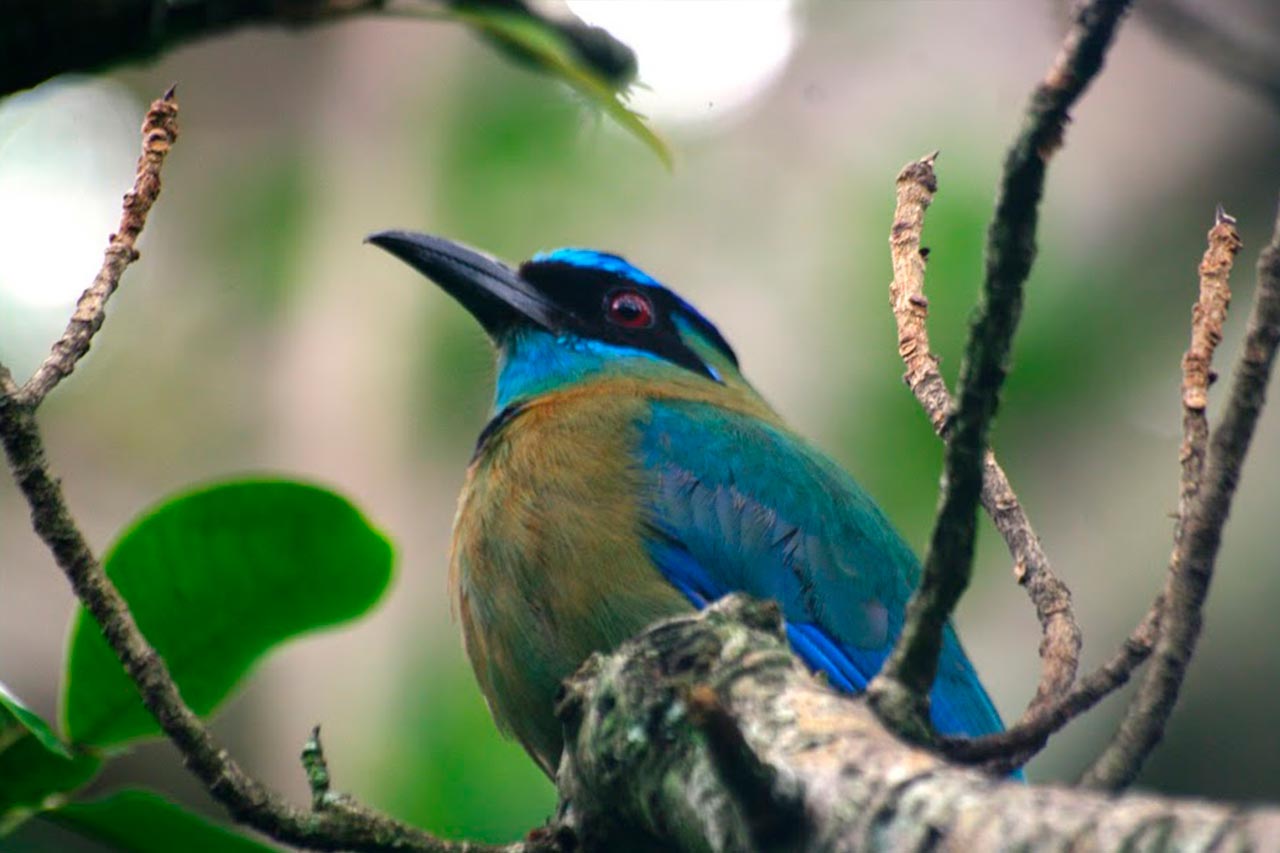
(629, 472)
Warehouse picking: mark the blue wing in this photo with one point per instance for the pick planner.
(735, 504)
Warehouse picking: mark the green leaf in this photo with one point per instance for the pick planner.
(550, 49)
(22, 716)
(35, 766)
(215, 579)
(142, 822)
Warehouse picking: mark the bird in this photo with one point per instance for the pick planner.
(630, 472)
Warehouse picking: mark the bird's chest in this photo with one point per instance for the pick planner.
(549, 562)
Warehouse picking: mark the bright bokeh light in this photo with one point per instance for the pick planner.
(700, 60)
(66, 151)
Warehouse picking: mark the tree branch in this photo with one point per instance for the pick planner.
(1208, 316)
(1060, 633)
(337, 823)
(900, 692)
(1200, 528)
(159, 132)
(42, 38)
(639, 773)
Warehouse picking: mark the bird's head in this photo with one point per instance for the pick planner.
(571, 315)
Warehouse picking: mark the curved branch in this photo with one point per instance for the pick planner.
(1060, 633)
(1208, 316)
(159, 132)
(1200, 529)
(900, 692)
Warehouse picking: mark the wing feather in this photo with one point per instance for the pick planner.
(736, 504)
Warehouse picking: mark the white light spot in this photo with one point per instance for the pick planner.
(699, 59)
(66, 154)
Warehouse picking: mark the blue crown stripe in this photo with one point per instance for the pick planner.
(603, 261)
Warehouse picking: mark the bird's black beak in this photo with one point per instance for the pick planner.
(493, 292)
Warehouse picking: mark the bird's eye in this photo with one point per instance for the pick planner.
(629, 309)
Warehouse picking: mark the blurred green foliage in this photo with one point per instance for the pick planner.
(448, 768)
(257, 218)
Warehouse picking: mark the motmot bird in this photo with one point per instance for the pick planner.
(630, 472)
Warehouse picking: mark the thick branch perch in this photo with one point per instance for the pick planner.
(900, 692)
(642, 773)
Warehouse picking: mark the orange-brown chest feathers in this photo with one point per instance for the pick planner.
(549, 561)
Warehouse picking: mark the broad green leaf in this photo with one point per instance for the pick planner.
(135, 821)
(35, 767)
(215, 579)
(549, 48)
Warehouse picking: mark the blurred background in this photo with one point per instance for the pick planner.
(258, 334)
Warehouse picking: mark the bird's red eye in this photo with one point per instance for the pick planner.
(630, 310)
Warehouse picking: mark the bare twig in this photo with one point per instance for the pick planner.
(917, 184)
(1060, 643)
(1200, 528)
(900, 692)
(159, 131)
(316, 766)
(1011, 748)
(1206, 331)
(1207, 317)
(340, 823)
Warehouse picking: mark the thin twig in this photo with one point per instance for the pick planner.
(900, 692)
(159, 132)
(1011, 748)
(341, 824)
(1061, 639)
(1207, 317)
(316, 768)
(1200, 529)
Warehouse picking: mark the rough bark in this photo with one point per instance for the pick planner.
(705, 733)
